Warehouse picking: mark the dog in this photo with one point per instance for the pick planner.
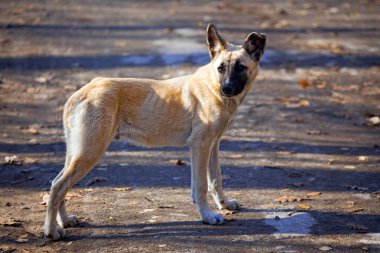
(193, 110)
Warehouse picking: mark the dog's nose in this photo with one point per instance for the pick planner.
(226, 90)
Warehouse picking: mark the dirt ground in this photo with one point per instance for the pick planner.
(303, 156)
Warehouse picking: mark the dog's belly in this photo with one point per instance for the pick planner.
(153, 137)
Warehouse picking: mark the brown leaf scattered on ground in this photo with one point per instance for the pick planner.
(288, 199)
(11, 223)
(14, 160)
(304, 206)
(314, 132)
(71, 195)
(165, 206)
(33, 129)
(363, 158)
(22, 240)
(374, 121)
(313, 194)
(148, 210)
(177, 162)
(296, 103)
(121, 189)
(6, 249)
(304, 83)
(355, 210)
(325, 248)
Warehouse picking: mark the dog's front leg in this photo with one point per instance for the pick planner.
(215, 182)
(199, 162)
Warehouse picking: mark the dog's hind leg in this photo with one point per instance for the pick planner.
(63, 219)
(87, 143)
(215, 182)
(77, 169)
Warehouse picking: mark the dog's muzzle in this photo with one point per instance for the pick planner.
(229, 90)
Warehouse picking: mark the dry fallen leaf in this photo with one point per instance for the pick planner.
(296, 103)
(11, 223)
(355, 210)
(121, 189)
(147, 210)
(325, 248)
(282, 24)
(344, 87)
(304, 83)
(41, 79)
(23, 236)
(13, 160)
(177, 162)
(33, 141)
(314, 132)
(374, 121)
(349, 204)
(71, 195)
(32, 129)
(312, 194)
(284, 153)
(365, 248)
(304, 102)
(165, 206)
(166, 76)
(22, 240)
(288, 199)
(96, 180)
(6, 249)
(235, 156)
(304, 206)
(322, 85)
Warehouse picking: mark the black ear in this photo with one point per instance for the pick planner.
(254, 45)
(214, 41)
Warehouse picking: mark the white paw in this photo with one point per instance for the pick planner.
(212, 218)
(231, 205)
(70, 221)
(55, 234)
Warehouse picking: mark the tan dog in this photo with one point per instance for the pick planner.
(192, 110)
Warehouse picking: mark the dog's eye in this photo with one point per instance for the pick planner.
(239, 68)
(221, 68)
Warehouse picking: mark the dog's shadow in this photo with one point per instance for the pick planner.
(286, 222)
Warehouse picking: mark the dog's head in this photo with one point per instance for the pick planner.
(234, 66)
